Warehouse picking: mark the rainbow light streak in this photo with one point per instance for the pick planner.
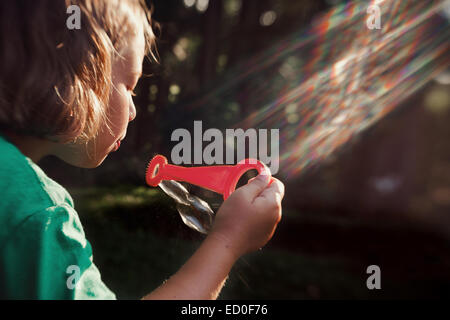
(324, 86)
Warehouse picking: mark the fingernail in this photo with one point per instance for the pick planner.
(263, 177)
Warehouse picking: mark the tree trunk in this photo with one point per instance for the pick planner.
(210, 49)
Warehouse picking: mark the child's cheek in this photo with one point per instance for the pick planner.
(118, 110)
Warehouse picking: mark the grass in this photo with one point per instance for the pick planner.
(139, 241)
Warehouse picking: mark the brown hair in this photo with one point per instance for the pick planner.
(55, 82)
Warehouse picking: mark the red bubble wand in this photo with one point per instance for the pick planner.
(220, 179)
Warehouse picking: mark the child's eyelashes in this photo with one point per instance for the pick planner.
(131, 90)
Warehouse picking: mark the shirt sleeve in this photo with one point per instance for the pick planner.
(48, 257)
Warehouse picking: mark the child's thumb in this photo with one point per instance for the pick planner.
(256, 185)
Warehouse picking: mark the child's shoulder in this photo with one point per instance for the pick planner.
(25, 189)
(41, 236)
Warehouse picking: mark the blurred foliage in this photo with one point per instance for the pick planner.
(135, 255)
(139, 241)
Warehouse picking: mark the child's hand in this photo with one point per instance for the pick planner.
(248, 218)
(245, 222)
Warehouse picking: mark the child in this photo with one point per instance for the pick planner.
(68, 93)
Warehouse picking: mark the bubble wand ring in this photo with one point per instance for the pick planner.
(220, 179)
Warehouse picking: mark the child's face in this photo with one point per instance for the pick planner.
(125, 75)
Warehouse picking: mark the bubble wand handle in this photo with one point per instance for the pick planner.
(220, 179)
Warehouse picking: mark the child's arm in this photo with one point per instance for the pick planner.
(202, 277)
(244, 223)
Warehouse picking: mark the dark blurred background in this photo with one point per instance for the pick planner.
(384, 199)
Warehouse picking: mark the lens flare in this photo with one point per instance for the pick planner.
(323, 86)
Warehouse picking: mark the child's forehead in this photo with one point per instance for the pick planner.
(133, 50)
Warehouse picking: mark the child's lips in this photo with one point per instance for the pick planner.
(116, 145)
(118, 142)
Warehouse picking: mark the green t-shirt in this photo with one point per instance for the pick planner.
(44, 253)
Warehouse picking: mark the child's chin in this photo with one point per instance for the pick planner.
(91, 164)
(86, 163)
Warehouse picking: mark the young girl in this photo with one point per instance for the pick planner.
(68, 93)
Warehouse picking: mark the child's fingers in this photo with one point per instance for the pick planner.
(274, 183)
(251, 179)
(273, 194)
(256, 185)
(276, 186)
